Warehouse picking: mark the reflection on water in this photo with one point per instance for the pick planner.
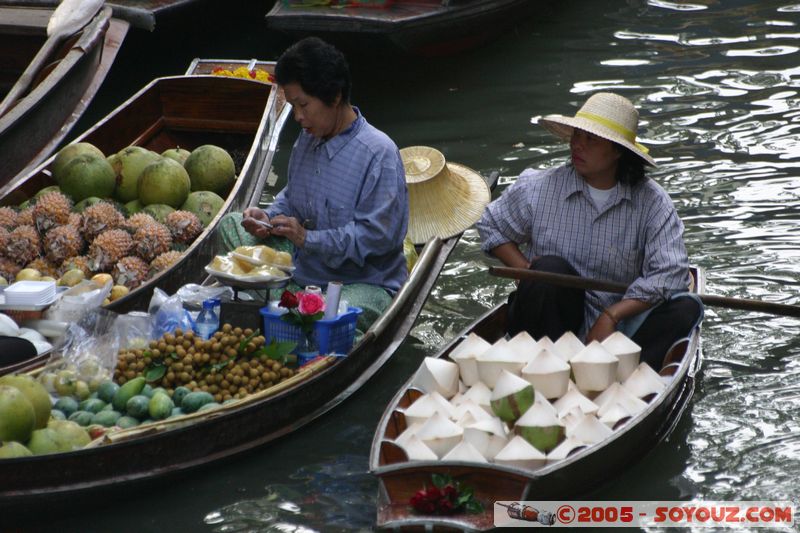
(717, 85)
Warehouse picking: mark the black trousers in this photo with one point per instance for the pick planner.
(543, 309)
(15, 349)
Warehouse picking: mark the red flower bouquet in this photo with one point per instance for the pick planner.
(446, 496)
(304, 309)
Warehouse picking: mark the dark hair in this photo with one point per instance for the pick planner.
(319, 68)
(630, 167)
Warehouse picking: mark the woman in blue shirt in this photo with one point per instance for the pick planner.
(345, 206)
(598, 216)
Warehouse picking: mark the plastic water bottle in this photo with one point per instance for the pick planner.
(207, 322)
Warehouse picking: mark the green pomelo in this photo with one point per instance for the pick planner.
(179, 393)
(71, 436)
(133, 207)
(158, 211)
(35, 392)
(51, 188)
(195, 400)
(127, 391)
(86, 175)
(9, 450)
(164, 182)
(66, 405)
(55, 414)
(160, 406)
(210, 168)
(66, 154)
(107, 390)
(81, 206)
(44, 441)
(204, 204)
(82, 418)
(137, 406)
(93, 405)
(128, 165)
(106, 418)
(126, 422)
(17, 416)
(178, 154)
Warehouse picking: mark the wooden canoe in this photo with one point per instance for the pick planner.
(188, 111)
(585, 469)
(38, 122)
(144, 454)
(245, 117)
(424, 27)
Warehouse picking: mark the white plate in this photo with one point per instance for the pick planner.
(250, 282)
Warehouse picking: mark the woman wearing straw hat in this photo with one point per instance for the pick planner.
(597, 216)
(344, 210)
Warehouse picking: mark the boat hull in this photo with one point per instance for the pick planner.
(583, 471)
(40, 120)
(420, 28)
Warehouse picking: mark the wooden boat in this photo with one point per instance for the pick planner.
(146, 453)
(39, 121)
(424, 27)
(399, 479)
(188, 111)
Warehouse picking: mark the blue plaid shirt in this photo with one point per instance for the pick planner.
(636, 238)
(350, 193)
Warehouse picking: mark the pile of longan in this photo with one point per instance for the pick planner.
(195, 363)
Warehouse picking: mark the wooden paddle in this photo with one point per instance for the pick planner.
(69, 17)
(578, 282)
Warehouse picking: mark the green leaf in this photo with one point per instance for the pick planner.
(467, 491)
(440, 480)
(243, 344)
(462, 499)
(174, 355)
(154, 373)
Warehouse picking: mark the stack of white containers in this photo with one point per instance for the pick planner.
(30, 293)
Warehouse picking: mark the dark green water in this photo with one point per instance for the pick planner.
(717, 84)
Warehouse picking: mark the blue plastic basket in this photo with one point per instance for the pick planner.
(332, 336)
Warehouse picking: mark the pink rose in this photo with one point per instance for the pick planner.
(311, 304)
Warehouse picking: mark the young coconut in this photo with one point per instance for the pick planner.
(407, 433)
(440, 434)
(540, 427)
(570, 419)
(524, 345)
(468, 407)
(644, 381)
(573, 398)
(569, 446)
(548, 373)
(616, 393)
(464, 452)
(595, 369)
(496, 359)
(488, 436)
(416, 450)
(425, 406)
(546, 343)
(481, 396)
(614, 415)
(512, 397)
(520, 454)
(568, 346)
(627, 351)
(590, 430)
(465, 354)
(437, 375)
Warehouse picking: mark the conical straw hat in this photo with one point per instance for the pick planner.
(606, 115)
(444, 198)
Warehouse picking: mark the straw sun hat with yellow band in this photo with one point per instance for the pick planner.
(606, 115)
(444, 198)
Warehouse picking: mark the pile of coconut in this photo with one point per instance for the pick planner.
(515, 403)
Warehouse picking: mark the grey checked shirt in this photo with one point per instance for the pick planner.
(351, 194)
(636, 238)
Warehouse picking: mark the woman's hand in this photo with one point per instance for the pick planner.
(249, 216)
(290, 228)
(602, 328)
